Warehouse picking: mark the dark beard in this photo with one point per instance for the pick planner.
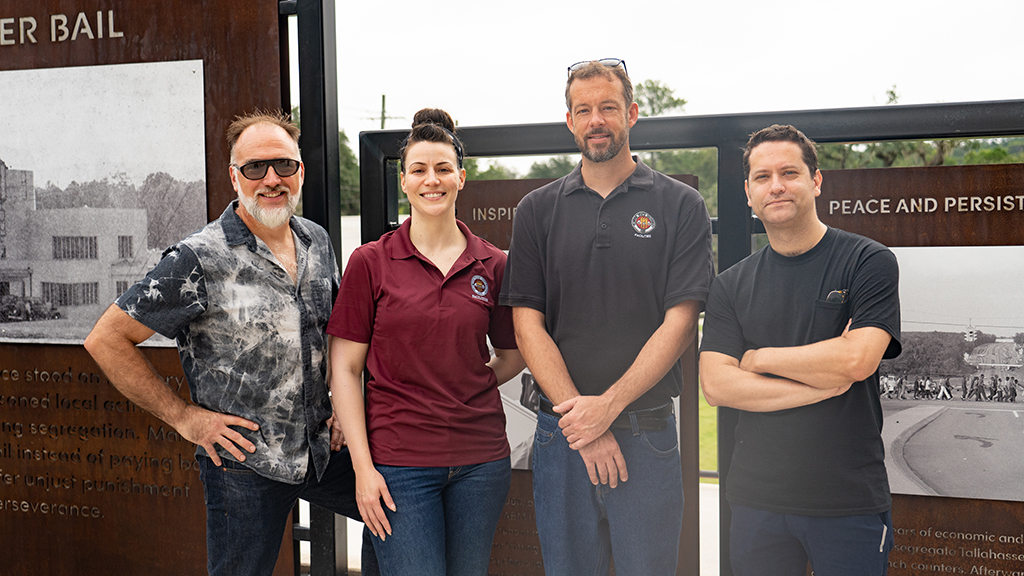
(613, 149)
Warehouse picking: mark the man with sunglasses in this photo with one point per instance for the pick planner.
(607, 271)
(247, 299)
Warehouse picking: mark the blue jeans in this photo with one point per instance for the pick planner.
(582, 526)
(444, 520)
(773, 544)
(246, 513)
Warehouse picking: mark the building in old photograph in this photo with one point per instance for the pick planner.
(64, 263)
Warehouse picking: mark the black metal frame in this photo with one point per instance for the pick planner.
(321, 203)
(728, 133)
(378, 151)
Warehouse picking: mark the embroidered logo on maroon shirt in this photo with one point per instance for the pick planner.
(479, 285)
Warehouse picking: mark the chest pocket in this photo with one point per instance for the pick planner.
(321, 295)
(829, 320)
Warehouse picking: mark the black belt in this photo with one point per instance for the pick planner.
(654, 419)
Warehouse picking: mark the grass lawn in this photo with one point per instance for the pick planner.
(708, 416)
(708, 428)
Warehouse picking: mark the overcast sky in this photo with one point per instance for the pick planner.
(490, 62)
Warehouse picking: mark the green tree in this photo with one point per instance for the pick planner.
(349, 180)
(990, 155)
(495, 171)
(1018, 338)
(554, 167)
(842, 156)
(702, 163)
(654, 98)
(348, 165)
(946, 152)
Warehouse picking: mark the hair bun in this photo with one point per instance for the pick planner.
(434, 116)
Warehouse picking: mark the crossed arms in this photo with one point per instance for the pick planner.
(806, 374)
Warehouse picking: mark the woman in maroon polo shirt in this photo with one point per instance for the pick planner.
(416, 308)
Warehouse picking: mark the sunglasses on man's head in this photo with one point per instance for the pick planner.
(257, 169)
(609, 62)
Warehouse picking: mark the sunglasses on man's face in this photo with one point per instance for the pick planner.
(257, 169)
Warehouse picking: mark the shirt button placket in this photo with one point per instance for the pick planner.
(604, 237)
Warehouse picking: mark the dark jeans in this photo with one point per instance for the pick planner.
(444, 520)
(774, 544)
(581, 526)
(246, 513)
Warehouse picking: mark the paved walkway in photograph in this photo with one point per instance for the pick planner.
(955, 448)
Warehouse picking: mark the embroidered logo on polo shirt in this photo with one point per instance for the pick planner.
(480, 288)
(643, 223)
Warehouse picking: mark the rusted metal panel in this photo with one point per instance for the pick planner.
(934, 206)
(487, 207)
(516, 547)
(88, 483)
(237, 41)
(956, 536)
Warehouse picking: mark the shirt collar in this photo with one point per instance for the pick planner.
(402, 247)
(236, 232)
(642, 178)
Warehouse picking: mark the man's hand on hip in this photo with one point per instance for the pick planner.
(206, 428)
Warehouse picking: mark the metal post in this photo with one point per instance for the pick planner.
(689, 457)
(318, 106)
(328, 544)
(378, 197)
(734, 231)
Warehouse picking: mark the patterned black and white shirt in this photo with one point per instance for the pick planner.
(252, 341)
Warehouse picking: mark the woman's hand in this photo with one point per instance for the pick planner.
(370, 490)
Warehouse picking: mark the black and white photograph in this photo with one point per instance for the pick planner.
(101, 169)
(953, 401)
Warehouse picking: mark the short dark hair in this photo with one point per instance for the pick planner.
(781, 133)
(595, 69)
(433, 125)
(272, 117)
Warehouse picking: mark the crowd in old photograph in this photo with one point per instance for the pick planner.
(980, 387)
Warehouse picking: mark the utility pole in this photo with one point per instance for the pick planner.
(383, 111)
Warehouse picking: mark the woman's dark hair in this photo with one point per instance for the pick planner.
(432, 125)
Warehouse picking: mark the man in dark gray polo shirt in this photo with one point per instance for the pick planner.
(607, 272)
(247, 299)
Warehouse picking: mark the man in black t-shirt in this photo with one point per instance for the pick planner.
(793, 336)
